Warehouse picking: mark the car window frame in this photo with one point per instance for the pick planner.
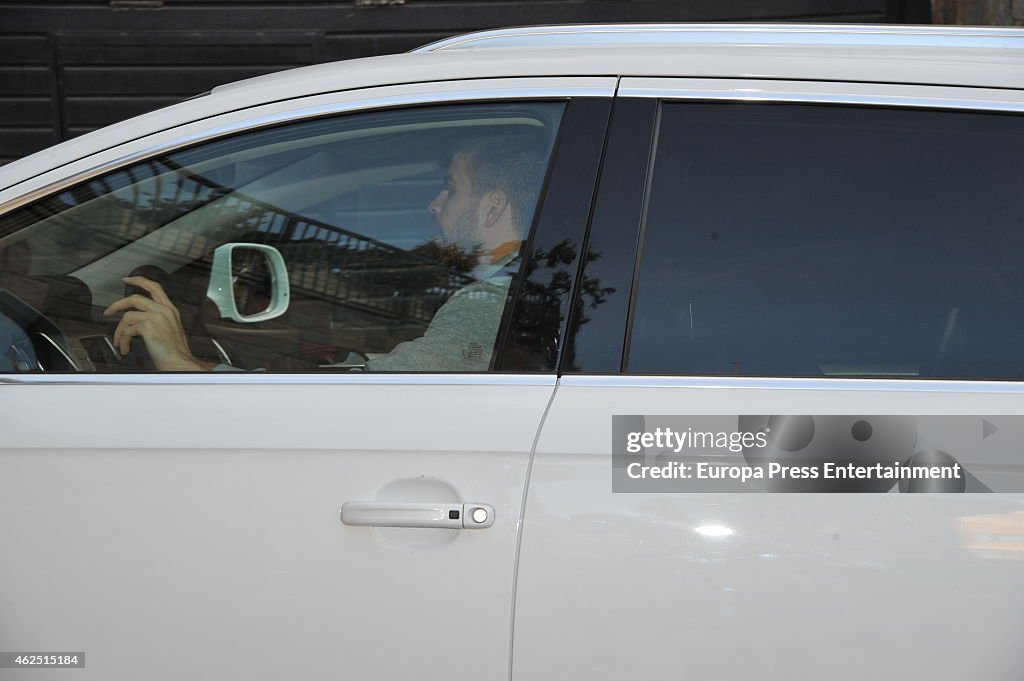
(636, 116)
(459, 92)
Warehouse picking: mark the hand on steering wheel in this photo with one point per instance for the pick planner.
(156, 320)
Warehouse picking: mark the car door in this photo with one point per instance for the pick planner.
(844, 256)
(286, 515)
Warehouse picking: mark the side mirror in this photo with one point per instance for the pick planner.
(249, 282)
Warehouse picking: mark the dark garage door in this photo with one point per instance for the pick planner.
(66, 69)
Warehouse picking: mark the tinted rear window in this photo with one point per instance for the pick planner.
(792, 240)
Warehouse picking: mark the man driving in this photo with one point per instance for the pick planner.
(483, 209)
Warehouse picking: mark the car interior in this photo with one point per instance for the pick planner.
(343, 200)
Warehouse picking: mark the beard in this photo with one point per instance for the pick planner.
(463, 233)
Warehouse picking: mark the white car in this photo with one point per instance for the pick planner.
(397, 459)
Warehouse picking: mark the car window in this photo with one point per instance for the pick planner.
(795, 240)
(400, 231)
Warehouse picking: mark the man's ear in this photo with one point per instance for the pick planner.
(495, 204)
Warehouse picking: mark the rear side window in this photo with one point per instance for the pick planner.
(794, 240)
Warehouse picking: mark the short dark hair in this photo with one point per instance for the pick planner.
(514, 164)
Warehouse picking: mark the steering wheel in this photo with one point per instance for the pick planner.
(48, 342)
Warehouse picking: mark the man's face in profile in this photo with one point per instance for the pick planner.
(455, 210)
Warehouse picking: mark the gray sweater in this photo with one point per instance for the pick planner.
(461, 335)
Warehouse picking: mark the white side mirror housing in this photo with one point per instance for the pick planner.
(232, 266)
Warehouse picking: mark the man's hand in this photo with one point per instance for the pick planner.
(157, 321)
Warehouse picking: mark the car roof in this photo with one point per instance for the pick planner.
(923, 55)
(927, 55)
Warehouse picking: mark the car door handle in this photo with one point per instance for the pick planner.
(469, 516)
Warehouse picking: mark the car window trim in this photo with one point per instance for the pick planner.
(913, 385)
(614, 226)
(267, 378)
(563, 210)
(567, 381)
(824, 92)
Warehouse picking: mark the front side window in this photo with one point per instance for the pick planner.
(400, 234)
(788, 240)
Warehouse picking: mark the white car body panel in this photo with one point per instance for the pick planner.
(806, 586)
(176, 531)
